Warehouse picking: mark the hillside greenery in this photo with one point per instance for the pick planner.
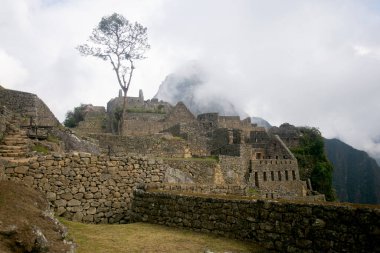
(313, 162)
(75, 116)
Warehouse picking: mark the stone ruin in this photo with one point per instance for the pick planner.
(205, 149)
(137, 177)
(247, 154)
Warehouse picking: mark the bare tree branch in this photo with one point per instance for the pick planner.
(121, 42)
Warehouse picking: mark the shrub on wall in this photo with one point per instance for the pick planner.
(313, 162)
(74, 117)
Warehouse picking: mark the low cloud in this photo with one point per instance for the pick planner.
(310, 63)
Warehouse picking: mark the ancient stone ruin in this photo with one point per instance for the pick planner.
(210, 173)
(246, 154)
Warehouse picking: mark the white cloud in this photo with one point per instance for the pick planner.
(305, 62)
(12, 72)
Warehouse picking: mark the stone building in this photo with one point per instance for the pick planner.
(248, 155)
(266, 164)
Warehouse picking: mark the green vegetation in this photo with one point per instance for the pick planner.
(142, 237)
(252, 192)
(74, 117)
(52, 138)
(313, 162)
(40, 149)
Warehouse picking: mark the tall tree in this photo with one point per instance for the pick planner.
(121, 42)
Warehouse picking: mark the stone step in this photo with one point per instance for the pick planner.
(8, 147)
(14, 142)
(12, 154)
(18, 133)
(15, 137)
(13, 150)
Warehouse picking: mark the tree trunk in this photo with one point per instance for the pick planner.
(123, 115)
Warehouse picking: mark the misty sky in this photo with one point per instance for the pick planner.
(314, 63)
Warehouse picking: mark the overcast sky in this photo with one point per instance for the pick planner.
(314, 63)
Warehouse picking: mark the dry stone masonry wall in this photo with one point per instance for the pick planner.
(201, 171)
(156, 145)
(279, 226)
(28, 105)
(87, 188)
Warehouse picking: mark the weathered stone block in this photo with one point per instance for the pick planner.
(38, 176)
(94, 189)
(9, 170)
(79, 196)
(66, 196)
(74, 202)
(29, 180)
(88, 196)
(88, 218)
(123, 173)
(34, 165)
(51, 196)
(91, 210)
(155, 178)
(60, 202)
(78, 217)
(21, 169)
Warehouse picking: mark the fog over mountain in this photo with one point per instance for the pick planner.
(189, 85)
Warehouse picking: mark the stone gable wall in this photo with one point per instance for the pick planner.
(180, 114)
(279, 226)
(28, 105)
(87, 188)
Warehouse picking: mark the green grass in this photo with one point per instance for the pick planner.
(40, 149)
(52, 138)
(252, 191)
(143, 237)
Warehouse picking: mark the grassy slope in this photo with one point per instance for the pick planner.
(23, 209)
(142, 237)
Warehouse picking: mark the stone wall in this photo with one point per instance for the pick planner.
(200, 171)
(143, 117)
(86, 188)
(236, 190)
(278, 170)
(28, 106)
(160, 145)
(233, 169)
(143, 123)
(288, 133)
(279, 226)
(179, 114)
(195, 135)
(5, 116)
(94, 121)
